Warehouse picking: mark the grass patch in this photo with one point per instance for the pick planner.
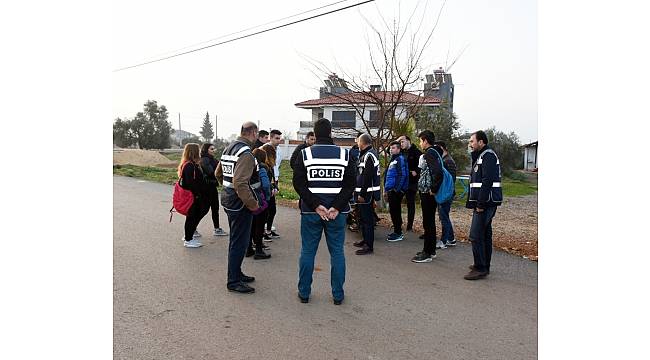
(175, 156)
(151, 173)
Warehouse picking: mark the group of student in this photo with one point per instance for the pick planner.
(335, 184)
(196, 173)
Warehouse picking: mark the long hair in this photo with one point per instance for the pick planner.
(260, 155)
(204, 149)
(270, 155)
(190, 153)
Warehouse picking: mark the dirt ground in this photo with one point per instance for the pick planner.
(514, 226)
(141, 158)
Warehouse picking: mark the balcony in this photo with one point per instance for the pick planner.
(306, 124)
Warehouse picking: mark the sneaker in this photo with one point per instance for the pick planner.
(451, 242)
(261, 255)
(250, 252)
(192, 243)
(267, 238)
(423, 257)
(274, 235)
(219, 232)
(272, 227)
(196, 234)
(440, 245)
(395, 237)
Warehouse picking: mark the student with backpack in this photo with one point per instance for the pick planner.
(396, 183)
(259, 218)
(431, 178)
(208, 165)
(447, 237)
(191, 178)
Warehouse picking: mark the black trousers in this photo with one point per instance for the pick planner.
(257, 229)
(367, 224)
(240, 235)
(199, 208)
(395, 209)
(272, 209)
(480, 234)
(429, 207)
(410, 206)
(213, 204)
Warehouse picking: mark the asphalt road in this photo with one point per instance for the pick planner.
(170, 302)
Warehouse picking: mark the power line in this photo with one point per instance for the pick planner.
(244, 36)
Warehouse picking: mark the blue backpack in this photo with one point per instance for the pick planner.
(446, 190)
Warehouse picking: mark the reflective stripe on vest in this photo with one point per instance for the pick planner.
(228, 163)
(478, 185)
(374, 188)
(325, 171)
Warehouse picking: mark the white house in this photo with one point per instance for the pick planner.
(530, 156)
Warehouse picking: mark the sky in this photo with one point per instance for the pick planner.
(260, 78)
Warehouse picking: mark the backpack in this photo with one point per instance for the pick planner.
(182, 199)
(446, 190)
(261, 201)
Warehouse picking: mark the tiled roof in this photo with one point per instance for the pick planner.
(360, 98)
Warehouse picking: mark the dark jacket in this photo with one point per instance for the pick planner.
(192, 179)
(368, 177)
(257, 144)
(311, 200)
(412, 156)
(209, 165)
(487, 173)
(435, 168)
(295, 155)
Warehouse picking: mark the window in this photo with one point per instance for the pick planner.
(374, 119)
(344, 118)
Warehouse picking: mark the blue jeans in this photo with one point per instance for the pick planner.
(367, 224)
(311, 229)
(480, 234)
(447, 228)
(240, 223)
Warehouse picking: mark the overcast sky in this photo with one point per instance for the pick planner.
(262, 77)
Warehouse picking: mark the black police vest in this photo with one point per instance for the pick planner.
(495, 197)
(231, 154)
(325, 165)
(374, 190)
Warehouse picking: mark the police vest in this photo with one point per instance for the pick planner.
(325, 165)
(231, 154)
(374, 190)
(495, 196)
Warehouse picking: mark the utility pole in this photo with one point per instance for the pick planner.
(180, 134)
(215, 129)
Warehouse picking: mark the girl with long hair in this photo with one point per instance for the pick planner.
(191, 178)
(208, 165)
(270, 162)
(257, 230)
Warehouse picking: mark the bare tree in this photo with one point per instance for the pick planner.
(393, 87)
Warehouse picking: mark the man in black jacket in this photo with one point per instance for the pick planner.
(484, 197)
(262, 138)
(412, 155)
(427, 199)
(310, 139)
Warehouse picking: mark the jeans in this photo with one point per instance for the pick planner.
(429, 206)
(410, 207)
(447, 228)
(395, 209)
(367, 223)
(240, 235)
(480, 234)
(311, 229)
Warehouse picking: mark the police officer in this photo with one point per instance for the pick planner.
(239, 173)
(484, 197)
(324, 179)
(367, 191)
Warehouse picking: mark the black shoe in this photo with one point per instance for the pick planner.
(359, 243)
(250, 252)
(303, 300)
(267, 238)
(274, 234)
(338, 302)
(247, 279)
(261, 255)
(422, 236)
(471, 267)
(476, 275)
(242, 289)
(364, 251)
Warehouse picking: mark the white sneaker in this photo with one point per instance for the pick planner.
(219, 232)
(192, 243)
(440, 245)
(272, 227)
(196, 234)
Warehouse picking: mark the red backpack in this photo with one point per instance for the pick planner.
(182, 199)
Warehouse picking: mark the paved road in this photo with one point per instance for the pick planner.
(170, 302)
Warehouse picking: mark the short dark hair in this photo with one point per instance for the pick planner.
(407, 137)
(322, 128)
(311, 133)
(365, 138)
(275, 132)
(481, 135)
(394, 143)
(428, 136)
(262, 133)
(441, 144)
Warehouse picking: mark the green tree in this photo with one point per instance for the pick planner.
(122, 134)
(151, 127)
(206, 130)
(508, 149)
(191, 139)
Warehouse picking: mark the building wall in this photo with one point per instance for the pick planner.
(530, 158)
